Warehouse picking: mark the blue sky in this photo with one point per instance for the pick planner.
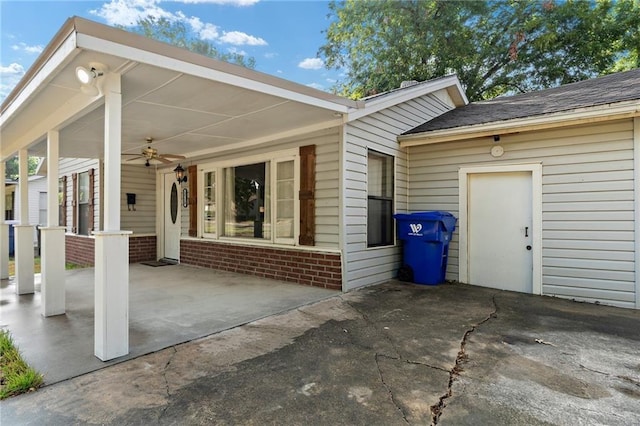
(283, 36)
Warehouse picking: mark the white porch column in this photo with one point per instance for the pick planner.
(24, 232)
(111, 338)
(4, 228)
(53, 249)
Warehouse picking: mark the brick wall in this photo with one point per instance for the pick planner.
(142, 249)
(302, 267)
(80, 249)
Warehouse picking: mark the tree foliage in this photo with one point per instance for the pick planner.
(176, 33)
(494, 46)
(12, 169)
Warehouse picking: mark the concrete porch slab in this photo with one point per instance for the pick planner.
(168, 305)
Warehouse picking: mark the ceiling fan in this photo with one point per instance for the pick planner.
(149, 154)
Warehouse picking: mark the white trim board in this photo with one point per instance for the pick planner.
(536, 204)
(636, 197)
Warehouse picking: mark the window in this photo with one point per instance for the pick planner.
(209, 204)
(246, 201)
(83, 203)
(42, 209)
(379, 200)
(255, 200)
(62, 201)
(285, 200)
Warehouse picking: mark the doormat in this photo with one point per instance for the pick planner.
(156, 263)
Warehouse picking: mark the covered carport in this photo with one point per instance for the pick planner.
(98, 92)
(170, 305)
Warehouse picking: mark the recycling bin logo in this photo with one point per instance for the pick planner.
(415, 229)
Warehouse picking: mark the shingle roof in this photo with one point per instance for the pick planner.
(619, 87)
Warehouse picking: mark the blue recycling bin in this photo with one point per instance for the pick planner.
(12, 246)
(425, 240)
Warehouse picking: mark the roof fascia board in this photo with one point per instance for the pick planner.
(568, 118)
(136, 54)
(265, 139)
(43, 72)
(375, 105)
(64, 114)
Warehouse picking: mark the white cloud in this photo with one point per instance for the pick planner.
(270, 55)
(311, 64)
(209, 32)
(241, 39)
(223, 2)
(129, 12)
(12, 69)
(316, 86)
(236, 51)
(279, 72)
(26, 48)
(331, 80)
(9, 78)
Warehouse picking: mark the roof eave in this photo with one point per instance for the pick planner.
(450, 83)
(589, 115)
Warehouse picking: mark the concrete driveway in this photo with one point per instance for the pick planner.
(394, 354)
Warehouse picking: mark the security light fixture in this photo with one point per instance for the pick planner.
(180, 175)
(87, 78)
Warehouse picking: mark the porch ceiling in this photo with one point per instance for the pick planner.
(185, 114)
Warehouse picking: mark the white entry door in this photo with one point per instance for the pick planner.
(171, 217)
(500, 229)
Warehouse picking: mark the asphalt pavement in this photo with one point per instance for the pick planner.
(394, 354)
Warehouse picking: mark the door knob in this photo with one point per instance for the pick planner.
(528, 247)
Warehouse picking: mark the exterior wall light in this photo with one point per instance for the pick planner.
(180, 175)
(87, 78)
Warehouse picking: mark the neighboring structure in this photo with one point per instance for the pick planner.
(546, 186)
(37, 202)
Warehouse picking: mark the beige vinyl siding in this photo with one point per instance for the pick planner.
(68, 166)
(139, 180)
(378, 132)
(327, 179)
(587, 202)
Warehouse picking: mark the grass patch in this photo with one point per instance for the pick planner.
(16, 376)
(36, 266)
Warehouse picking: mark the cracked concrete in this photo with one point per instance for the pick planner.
(436, 409)
(380, 356)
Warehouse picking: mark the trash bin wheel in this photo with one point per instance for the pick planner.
(405, 273)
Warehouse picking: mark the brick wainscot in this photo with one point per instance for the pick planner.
(80, 249)
(315, 268)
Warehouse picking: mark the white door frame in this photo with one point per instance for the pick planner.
(536, 205)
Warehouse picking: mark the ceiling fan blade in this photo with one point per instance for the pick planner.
(135, 158)
(163, 160)
(176, 156)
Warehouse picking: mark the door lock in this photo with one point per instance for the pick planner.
(526, 231)
(528, 247)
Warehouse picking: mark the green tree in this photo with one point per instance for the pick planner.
(177, 34)
(12, 170)
(495, 46)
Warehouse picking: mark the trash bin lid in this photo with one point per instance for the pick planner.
(446, 218)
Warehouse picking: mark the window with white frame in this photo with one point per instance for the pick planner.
(253, 200)
(379, 199)
(209, 204)
(83, 203)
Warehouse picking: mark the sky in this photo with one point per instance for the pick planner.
(283, 36)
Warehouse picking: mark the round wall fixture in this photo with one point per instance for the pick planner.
(497, 151)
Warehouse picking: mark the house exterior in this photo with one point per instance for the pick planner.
(283, 181)
(37, 202)
(546, 186)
